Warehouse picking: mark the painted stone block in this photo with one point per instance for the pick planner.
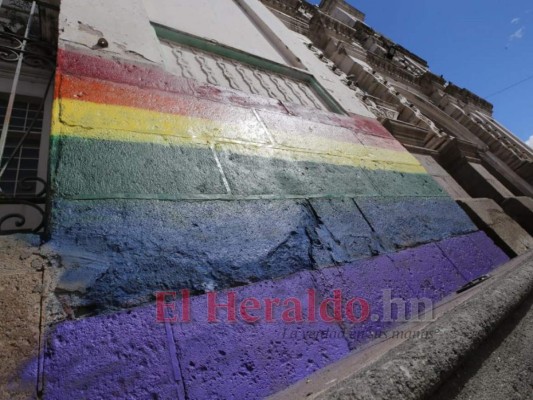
(253, 360)
(405, 222)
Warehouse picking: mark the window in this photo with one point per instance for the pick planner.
(208, 62)
(24, 163)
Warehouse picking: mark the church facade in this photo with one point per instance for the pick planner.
(240, 189)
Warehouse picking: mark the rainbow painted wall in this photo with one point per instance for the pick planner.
(161, 183)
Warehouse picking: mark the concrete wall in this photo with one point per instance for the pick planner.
(162, 183)
(222, 21)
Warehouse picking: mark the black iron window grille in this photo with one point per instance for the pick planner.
(28, 36)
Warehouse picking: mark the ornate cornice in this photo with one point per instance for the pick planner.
(468, 97)
(416, 138)
(286, 6)
(385, 65)
(322, 23)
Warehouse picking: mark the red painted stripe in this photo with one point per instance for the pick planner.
(81, 64)
(357, 123)
(97, 91)
(150, 77)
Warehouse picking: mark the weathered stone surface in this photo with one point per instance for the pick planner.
(93, 358)
(266, 171)
(88, 168)
(411, 276)
(442, 177)
(366, 280)
(481, 183)
(431, 275)
(345, 235)
(22, 289)
(414, 369)
(20, 254)
(491, 250)
(521, 210)
(431, 165)
(391, 183)
(502, 367)
(405, 222)
(243, 360)
(473, 255)
(20, 302)
(451, 187)
(118, 252)
(490, 217)
(119, 356)
(144, 246)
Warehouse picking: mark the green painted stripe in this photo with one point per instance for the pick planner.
(90, 169)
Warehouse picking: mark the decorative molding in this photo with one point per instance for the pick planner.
(415, 136)
(385, 65)
(221, 65)
(468, 97)
(447, 104)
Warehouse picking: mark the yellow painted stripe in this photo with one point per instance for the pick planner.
(106, 116)
(118, 123)
(329, 145)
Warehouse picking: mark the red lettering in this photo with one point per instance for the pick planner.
(185, 305)
(269, 306)
(311, 297)
(245, 307)
(162, 305)
(337, 308)
(294, 313)
(212, 307)
(365, 310)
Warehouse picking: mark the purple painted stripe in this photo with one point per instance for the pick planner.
(251, 361)
(473, 255)
(119, 356)
(173, 354)
(126, 355)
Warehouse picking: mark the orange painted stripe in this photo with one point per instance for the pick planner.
(105, 92)
(102, 92)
